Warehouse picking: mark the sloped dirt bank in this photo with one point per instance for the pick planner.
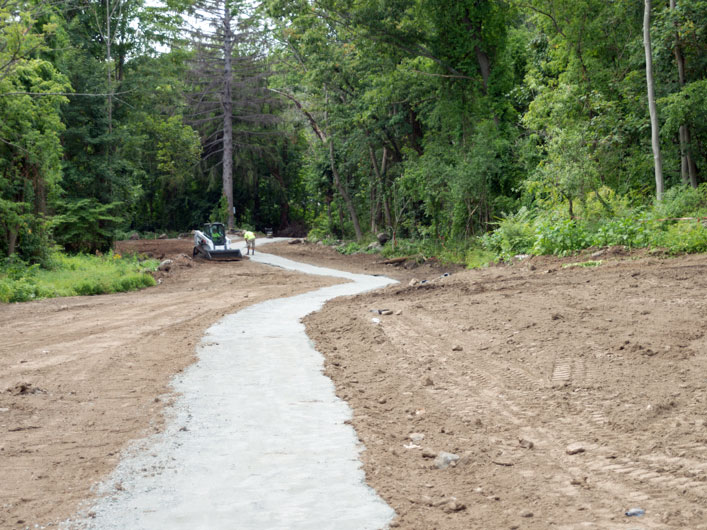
(569, 393)
(81, 377)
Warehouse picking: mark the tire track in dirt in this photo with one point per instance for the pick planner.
(507, 390)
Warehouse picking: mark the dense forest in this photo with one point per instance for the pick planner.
(519, 125)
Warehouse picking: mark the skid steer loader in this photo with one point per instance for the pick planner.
(211, 242)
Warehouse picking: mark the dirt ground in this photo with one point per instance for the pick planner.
(569, 394)
(80, 377)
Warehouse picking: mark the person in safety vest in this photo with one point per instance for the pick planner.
(249, 242)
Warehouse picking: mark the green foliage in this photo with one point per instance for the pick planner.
(661, 226)
(467, 252)
(319, 228)
(682, 201)
(628, 232)
(515, 235)
(352, 247)
(84, 225)
(682, 237)
(74, 275)
(562, 237)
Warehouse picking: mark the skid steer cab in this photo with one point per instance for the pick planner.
(211, 242)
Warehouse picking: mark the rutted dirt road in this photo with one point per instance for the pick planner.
(511, 369)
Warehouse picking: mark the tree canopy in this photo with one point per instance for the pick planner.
(421, 118)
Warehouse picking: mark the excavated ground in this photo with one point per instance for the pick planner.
(570, 394)
(81, 377)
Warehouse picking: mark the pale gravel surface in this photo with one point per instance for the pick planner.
(257, 438)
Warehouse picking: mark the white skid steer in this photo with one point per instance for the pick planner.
(212, 243)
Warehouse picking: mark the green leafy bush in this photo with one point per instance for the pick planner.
(683, 236)
(682, 201)
(515, 235)
(561, 238)
(627, 232)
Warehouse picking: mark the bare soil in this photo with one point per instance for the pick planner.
(81, 377)
(570, 394)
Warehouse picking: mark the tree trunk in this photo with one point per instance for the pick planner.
(688, 169)
(376, 190)
(344, 193)
(11, 241)
(109, 67)
(384, 188)
(652, 109)
(227, 104)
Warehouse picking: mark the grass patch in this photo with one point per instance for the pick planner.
(74, 275)
(465, 252)
(582, 264)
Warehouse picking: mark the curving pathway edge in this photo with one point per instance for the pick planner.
(256, 438)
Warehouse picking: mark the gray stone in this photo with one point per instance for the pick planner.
(165, 266)
(416, 437)
(575, 448)
(444, 460)
(453, 506)
(162, 236)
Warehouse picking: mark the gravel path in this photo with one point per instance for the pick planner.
(257, 437)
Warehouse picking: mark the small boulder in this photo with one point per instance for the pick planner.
(165, 266)
(444, 460)
(134, 236)
(453, 506)
(416, 437)
(162, 236)
(383, 238)
(575, 448)
(458, 347)
(526, 444)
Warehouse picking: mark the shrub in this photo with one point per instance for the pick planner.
(684, 236)
(515, 235)
(628, 232)
(561, 238)
(682, 201)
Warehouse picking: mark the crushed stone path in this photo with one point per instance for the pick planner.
(256, 438)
